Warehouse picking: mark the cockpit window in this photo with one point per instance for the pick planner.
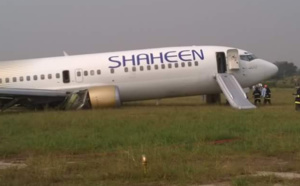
(249, 57)
(244, 58)
(252, 57)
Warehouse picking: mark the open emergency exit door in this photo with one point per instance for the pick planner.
(229, 85)
(233, 59)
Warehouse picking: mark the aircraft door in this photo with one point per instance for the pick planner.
(79, 75)
(221, 62)
(233, 59)
(66, 76)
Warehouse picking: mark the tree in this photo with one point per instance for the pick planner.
(285, 69)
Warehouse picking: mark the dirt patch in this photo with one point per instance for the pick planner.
(6, 165)
(223, 141)
(218, 184)
(284, 175)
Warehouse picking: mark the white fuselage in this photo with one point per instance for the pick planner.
(139, 74)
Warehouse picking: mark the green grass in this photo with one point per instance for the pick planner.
(185, 141)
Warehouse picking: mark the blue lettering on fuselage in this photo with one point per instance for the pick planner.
(157, 58)
(142, 59)
(132, 60)
(114, 59)
(151, 58)
(171, 56)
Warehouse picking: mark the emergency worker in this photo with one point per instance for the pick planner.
(266, 94)
(257, 95)
(297, 100)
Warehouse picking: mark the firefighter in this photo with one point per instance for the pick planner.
(266, 94)
(256, 95)
(297, 100)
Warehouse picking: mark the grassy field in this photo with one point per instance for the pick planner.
(185, 141)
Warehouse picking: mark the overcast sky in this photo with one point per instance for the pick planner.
(45, 28)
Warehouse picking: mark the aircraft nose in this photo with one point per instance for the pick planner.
(270, 69)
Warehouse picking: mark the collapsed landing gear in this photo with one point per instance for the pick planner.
(9, 104)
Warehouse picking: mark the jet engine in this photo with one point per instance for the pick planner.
(104, 96)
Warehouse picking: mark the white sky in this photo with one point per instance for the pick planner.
(45, 28)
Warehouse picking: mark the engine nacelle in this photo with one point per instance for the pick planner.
(104, 96)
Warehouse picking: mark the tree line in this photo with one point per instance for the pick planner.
(286, 69)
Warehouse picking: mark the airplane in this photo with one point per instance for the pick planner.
(109, 79)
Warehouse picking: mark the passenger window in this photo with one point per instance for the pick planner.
(163, 66)
(7, 80)
(183, 64)
(126, 69)
(112, 71)
(21, 78)
(78, 73)
(14, 79)
(189, 64)
(176, 65)
(85, 73)
(98, 72)
(28, 78)
(196, 63)
(57, 75)
(42, 77)
(49, 76)
(0, 81)
(133, 69)
(66, 76)
(92, 72)
(155, 67)
(35, 77)
(169, 65)
(141, 68)
(148, 67)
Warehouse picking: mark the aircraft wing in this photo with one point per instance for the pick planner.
(31, 98)
(13, 92)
